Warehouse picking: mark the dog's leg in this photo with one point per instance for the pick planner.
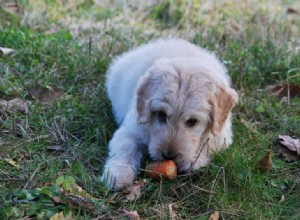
(124, 160)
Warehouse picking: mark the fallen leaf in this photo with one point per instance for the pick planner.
(131, 214)
(214, 216)
(288, 155)
(265, 163)
(61, 216)
(46, 95)
(17, 103)
(134, 191)
(57, 199)
(172, 212)
(12, 162)
(77, 201)
(290, 143)
(91, 204)
(79, 191)
(57, 216)
(76, 197)
(68, 185)
(6, 51)
(50, 96)
(12, 7)
(284, 90)
(292, 11)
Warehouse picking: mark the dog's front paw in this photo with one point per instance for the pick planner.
(117, 177)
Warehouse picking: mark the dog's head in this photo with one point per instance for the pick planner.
(180, 101)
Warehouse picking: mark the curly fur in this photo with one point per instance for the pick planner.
(155, 90)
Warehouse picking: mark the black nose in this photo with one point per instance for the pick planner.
(170, 155)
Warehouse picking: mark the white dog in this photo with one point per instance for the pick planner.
(173, 100)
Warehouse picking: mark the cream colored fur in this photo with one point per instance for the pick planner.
(157, 92)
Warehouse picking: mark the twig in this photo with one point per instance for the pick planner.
(193, 164)
(32, 175)
(288, 84)
(11, 179)
(90, 46)
(204, 190)
(212, 187)
(32, 139)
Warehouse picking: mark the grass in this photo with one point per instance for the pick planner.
(78, 125)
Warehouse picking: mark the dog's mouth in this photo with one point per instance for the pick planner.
(183, 167)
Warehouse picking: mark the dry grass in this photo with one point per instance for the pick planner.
(66, 46)
(128, 23)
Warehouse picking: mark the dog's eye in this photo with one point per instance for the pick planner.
(162, 117)
(191, 122)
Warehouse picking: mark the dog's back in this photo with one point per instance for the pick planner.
(120, 86)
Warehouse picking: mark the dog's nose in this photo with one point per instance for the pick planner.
(170, 155)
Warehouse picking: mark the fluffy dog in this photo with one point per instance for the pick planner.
(172, 100)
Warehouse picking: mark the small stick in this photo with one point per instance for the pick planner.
(193, 164)
(90, 46)
(204, 190)
(31, 177)
(212, 187)
(32, 139)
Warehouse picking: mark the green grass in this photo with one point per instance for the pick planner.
(81, 123)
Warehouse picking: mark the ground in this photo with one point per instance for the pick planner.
(56, 120)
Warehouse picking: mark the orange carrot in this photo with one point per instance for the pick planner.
(166, 169)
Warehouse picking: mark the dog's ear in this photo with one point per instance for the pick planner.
(221, 105)
(143, 99)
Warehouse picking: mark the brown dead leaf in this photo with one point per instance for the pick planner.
(172, 212)
(57, 200)
(17, 103)
(76, 197)
(288, 155)
(284, 90)
(12, 7)
(134, 191)
(214, 216)
(132, 215)
(77, 201)
(290, 143)
(265, 163)
(292, 11)
(46, 95)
